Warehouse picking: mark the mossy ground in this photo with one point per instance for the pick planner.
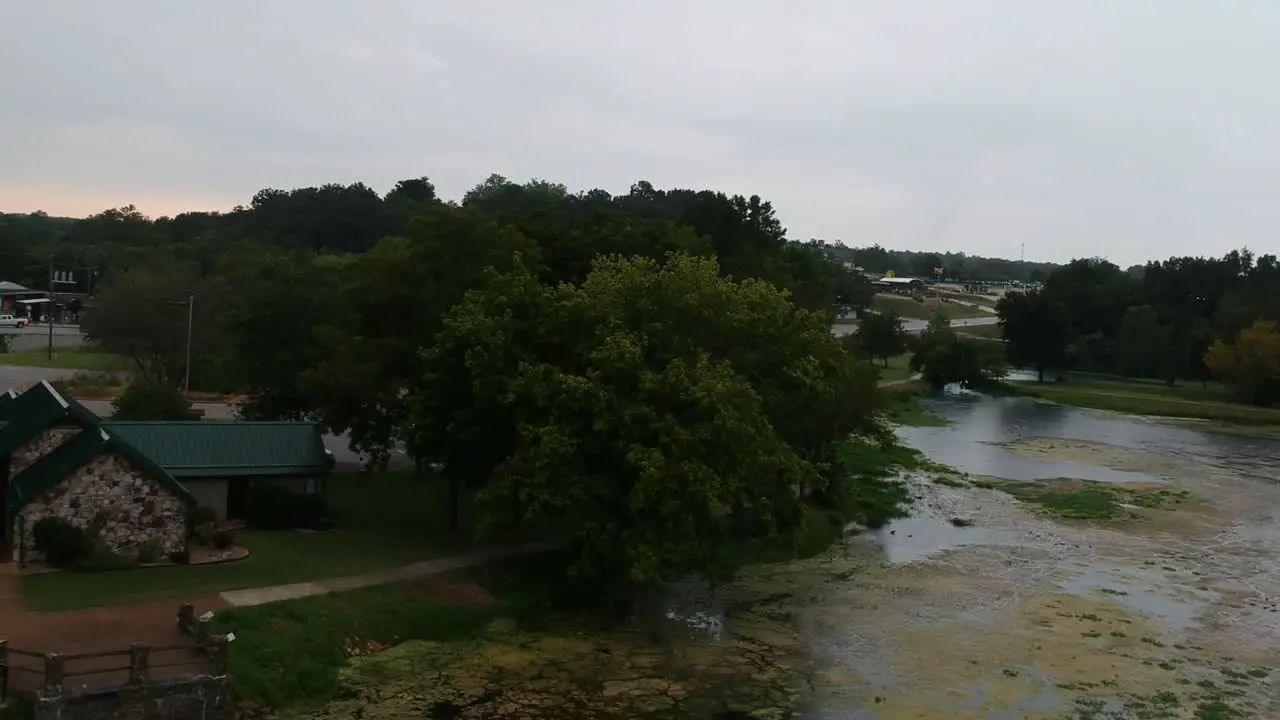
(1071, 499)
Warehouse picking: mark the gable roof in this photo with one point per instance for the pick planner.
(41, 406)
(37, 408)
(227, 448)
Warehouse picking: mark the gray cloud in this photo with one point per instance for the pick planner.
(1077, 127)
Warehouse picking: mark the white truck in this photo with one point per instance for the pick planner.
(9, 321)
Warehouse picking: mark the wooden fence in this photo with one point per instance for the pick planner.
(98, 684)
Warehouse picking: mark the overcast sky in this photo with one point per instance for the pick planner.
(1119, 128)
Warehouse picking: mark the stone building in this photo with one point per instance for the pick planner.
(134, 482)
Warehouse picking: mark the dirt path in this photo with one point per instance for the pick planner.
(115, 628)
(93, 630)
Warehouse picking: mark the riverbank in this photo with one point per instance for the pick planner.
(333, 653)
(1149, 398)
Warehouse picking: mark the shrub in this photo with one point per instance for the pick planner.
(180, 557)
(64, 545)
(203, 533)
(223, 539)
(151, 551)
(271, 507)
(148, 401)
(199, 516)
(311, 511)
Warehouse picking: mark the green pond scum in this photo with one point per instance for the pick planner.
(1072, 499)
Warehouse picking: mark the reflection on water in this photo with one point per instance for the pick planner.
(1146, 591)
(977, 422)
(915, 538)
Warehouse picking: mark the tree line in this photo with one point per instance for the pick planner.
(653, 371)
(1185, 318)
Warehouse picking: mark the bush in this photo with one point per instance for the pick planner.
(223, 539)
(180, 557)
(311, 511)
(271, 507)
(146, 401)
(199, 516)
(64, 545)
(203, 533)
(151, 551)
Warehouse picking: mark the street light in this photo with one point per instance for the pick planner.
(190, 302)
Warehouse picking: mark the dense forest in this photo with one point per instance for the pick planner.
(617, 364)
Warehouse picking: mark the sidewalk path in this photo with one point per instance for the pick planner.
(426, 568)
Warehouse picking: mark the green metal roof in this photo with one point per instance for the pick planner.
(226, 448)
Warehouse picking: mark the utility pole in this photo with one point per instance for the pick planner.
(186, 379)
(49, 309)
(1022, 252)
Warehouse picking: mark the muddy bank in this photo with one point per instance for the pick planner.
(984, 604)
(1089, 620)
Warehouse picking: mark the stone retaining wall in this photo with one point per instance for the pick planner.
(129, 508)
(197, 698)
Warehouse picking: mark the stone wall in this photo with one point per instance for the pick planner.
(132, 508)
(195, 698)
(39, 446)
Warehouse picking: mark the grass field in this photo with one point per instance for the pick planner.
(382, 521)
(986, 300)
(896, 371)
(1146, 397)
(67, 358)
(908, 308)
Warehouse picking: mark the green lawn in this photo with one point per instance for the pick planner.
(897, 370)
(1145, 397)
(383, 521)
(908, 308)
(67, 358)
(289, 654)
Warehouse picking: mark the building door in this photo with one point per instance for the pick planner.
(237, 497)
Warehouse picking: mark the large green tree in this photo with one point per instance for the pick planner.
(656, 413)
(1036, 330)
(881, 335)
(148, 312)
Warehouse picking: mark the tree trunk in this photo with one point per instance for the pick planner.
(1040, 373)
(455, 504)
(886, 361)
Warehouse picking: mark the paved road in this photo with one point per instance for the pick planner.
(915, 326)
(34, 337)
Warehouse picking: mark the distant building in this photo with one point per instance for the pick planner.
(899, 284)
(15, 298)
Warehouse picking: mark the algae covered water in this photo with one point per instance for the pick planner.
(1079, 565)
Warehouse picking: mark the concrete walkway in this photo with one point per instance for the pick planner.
(426, 568)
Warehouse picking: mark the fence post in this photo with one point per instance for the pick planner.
(55, 675)
(139, 664)
(4, 672)
(202, 633)
(187, 618)
(219, 654)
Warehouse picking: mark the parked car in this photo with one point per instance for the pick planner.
(9, 321)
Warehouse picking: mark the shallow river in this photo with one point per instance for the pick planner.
(976, 607)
